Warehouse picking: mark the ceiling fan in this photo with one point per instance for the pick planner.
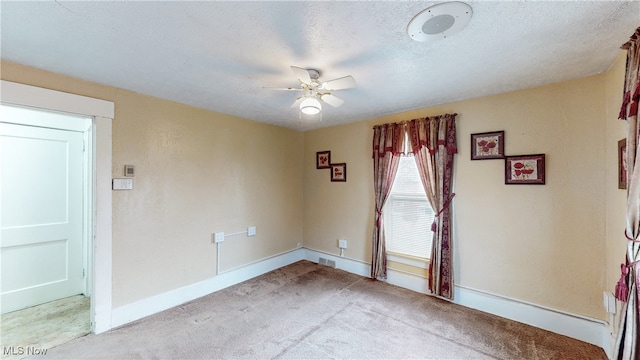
(316, 92)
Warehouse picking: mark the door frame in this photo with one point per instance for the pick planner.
(102, 112)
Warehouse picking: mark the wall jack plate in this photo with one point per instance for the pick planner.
(251, 231)
(218, 237)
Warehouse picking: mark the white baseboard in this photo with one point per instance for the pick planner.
(343, 263)
(578, 327)
(583, 328)
(586, 329)
(149, 306)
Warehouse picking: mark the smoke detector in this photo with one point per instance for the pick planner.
(439, 21)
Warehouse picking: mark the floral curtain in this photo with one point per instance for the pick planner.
(388, 146)
(627, 290)
(433, 143)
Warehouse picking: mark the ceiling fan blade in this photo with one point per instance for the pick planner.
(346, 82)
(283, 88)
(301, 74)
(297, 102)
(331, 100)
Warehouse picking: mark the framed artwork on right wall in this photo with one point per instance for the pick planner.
(622, 164)
(524, 169)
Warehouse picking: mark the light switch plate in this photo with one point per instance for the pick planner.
(122, 184)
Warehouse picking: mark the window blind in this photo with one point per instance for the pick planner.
(408, 214)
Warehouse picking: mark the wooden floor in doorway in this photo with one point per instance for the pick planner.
(33, 330)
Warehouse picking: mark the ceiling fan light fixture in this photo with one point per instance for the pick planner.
(310, 106)
(439, 21)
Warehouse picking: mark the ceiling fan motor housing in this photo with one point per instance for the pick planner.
(314, 74)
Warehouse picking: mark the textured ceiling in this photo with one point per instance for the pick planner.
(221, 55)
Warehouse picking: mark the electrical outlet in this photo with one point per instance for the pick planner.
(218, 237)
(251, 231)
(611, 307)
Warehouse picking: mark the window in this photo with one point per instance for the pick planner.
(407, 214)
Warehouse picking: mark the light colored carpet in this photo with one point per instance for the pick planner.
(44, 326)
(311, 311)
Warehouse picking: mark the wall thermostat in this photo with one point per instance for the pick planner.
(129, 170)
(122, 184)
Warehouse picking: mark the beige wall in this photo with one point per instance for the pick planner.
(197, 172)
(540, 244)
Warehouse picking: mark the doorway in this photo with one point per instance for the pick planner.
(100, 139)
(45, 219)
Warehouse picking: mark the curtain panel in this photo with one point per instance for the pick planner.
(388, 146)
(433, 143)
(627, 290)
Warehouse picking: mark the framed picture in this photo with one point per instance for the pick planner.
(323, 159)
(339, 172)
(487, 145)
(622, 164)
(524, 169)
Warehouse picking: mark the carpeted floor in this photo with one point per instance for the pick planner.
(41, 327)
(311, 311)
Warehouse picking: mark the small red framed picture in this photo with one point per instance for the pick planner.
(524, 169)
(323, 159)
(487, 145)
(339, 172)
(622, 164)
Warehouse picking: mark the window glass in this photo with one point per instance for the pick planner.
(407, 214)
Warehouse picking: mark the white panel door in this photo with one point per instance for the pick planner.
(41, 217)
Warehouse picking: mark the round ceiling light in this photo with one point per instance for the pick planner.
(439, 21)
(310, 106)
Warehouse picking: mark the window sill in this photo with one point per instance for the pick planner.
(414, 261)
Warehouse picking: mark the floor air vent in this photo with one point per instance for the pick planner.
(323, 261)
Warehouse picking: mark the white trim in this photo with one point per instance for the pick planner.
(32, 96)
(102, 232)
(149, 306)
(583, 328)
(23, 115)
(88, 189)
(103, 112)
(347, 264)
(408, 281)
(579, 327)
(422, 264)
